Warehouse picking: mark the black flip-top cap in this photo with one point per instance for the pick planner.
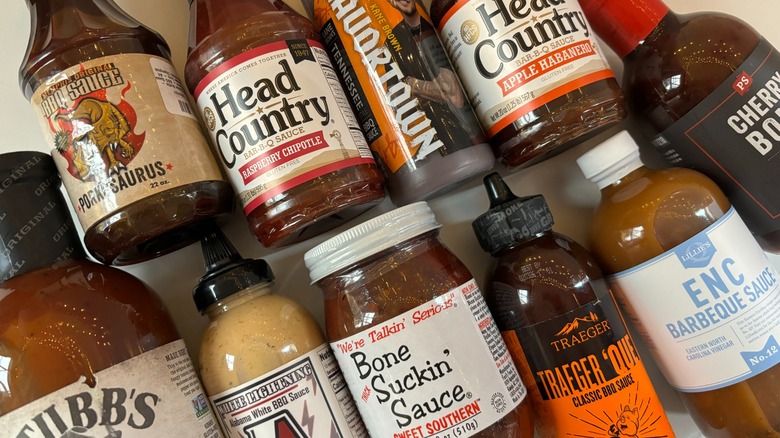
(36, 228)
(510, 219)
(226, 271)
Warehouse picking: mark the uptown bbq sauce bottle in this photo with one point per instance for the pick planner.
(566, 335)
(131, 154)
(703, 294)
(705, 88)
(411, 331)
(279, 119)
(406, 95)
(264, 361)
(533, 71)
(86, 349)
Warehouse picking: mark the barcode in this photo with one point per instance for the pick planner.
(185, 107)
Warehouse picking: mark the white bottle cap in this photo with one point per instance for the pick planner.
(369, 238)
(611, 160)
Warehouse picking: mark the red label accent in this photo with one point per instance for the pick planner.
(743, 83)
(556, 59)
(282, 154)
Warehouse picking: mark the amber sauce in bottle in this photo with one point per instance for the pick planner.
(66, 33)
(221, 30)
(648, 212)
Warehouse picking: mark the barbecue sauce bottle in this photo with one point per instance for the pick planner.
(555, 312)
(703, 295)
(279, 119)
(86, 349)
(136, 166)
(705, 89)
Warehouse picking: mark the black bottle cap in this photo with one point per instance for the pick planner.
(226, 271)
(36, 229)
(510, 219)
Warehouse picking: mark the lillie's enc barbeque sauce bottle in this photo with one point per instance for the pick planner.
(136, 166)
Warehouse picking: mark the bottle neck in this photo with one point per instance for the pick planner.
(530, 240)
(624, 24)
(238, 299)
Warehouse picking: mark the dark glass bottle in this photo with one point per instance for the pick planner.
(131, 154)
(704, 89)
(552, 305)
(83, 346)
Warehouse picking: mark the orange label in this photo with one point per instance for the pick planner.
(585, 376)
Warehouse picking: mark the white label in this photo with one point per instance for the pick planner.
(438, 370)
(171, 89)
(710, 307)
(305, 398)
(514, 57)
(155, 394)
(278, 118)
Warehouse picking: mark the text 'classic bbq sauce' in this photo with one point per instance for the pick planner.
(264, 361)
(706, 89)
(406, 95)
(703, 294)
(86, 349)
(413, 336)
(131, 154)
(565, 333)
(533, 71)
(278, 118)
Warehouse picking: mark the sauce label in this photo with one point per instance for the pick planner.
(278, 118)
(587, 374)
(155, 394)
(733, 136)
(710, 307)
(514, 57)
(438, 370)
(306, 398)
(402, 86)
(121, 129)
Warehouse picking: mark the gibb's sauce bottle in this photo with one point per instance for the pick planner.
(706, 90)
(406, 95)
(565, 333)
(278, 118)
(131, 154)
(411, 331)
(87, 349)
(704, 295)
(533, 71)
(263, 359)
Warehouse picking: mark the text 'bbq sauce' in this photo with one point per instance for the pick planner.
(413, 336)
(563, 329)
(406, 95)
(703, 294)
(705, 88)
(86, 349)
(264, 361)
(131, 154)
(278, 118)
(534, 73)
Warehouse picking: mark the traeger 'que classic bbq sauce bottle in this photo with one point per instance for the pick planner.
(703, 294)
(566, 335)
(136, 166)
(279, 119)
(534, 74)
(264, 361)
(705, 88)
(406, 95)
(85, 349)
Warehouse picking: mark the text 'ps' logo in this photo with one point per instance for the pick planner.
(742, 83)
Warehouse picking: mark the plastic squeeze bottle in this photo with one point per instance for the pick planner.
(562, 326)
(85, 349)
(700, 289)
(137, 168)
(705, 88)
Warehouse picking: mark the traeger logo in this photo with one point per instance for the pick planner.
(86, 416)
(582, 329)
(247, 116)
(541, 23)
